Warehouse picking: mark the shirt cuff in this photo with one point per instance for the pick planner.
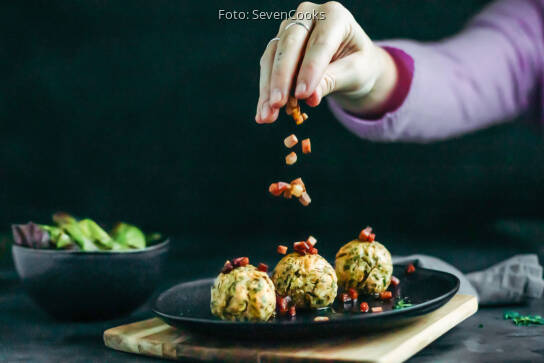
(375, 128)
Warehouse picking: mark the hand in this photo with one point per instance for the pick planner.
(336, 57)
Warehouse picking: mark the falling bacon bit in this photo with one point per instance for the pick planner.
(311, 240)
(410, 269)
(395, 281)
(305, 199)
(386, 295)
(291, 158)
(364, 307)
(282, 250)
(313, 251)
(377, 309)
(292, 311)
(304, 116)
(345, 298)
(292, 108)
(353, 293)
(290, 141)
(227, 267)
(262, 267)
(366, 235)
(306, 146)
(297, 190)
(274, 189)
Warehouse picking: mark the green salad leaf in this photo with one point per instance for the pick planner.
(523, 320)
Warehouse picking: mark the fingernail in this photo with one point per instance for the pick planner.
(265, 110)
(301, 88)
(275, 96)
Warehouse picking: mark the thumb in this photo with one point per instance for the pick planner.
(349, 76)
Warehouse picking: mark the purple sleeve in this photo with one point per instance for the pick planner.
(489, 73)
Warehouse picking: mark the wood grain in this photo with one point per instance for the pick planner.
(155, 338)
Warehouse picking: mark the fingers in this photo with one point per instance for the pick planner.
(264, 111)
(324, 42)
(289, 51)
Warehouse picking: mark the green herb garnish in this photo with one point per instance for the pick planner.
(523, 320)
(401, 304)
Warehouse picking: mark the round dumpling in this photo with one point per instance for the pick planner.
(308, 279)
(366, 266)
(243, 294)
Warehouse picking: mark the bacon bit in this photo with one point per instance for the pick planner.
(291, 158)
(274, 189)
(301, 247)
(410, 269)
(345, 298)
(292, 108)
(292, 311)
(372, 237)
(305, 199)
(306, 146)
(298, 181)
(304, 116)
(353, 293)
(282, 186)
(321, 318)
(366, 235)
(311, 240)
(240, 262)
(262, 267)
(297, 190)
(227, 267)
(282, 303)
(313, 251)
(364, 307)
(395, 281)
(282, 250)
(386, 295)
(290, 141)
(377, 309)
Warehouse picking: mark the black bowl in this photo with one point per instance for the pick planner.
(76, 285)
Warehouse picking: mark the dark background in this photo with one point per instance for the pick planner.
(144, 111)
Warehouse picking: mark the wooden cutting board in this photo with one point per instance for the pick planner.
(155, 338)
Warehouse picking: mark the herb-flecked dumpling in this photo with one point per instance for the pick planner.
(366, 266)
(243, 294)
(308, 279)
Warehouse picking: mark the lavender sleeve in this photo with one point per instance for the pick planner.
(489, 73)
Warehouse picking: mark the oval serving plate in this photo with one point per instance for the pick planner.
(187, 306)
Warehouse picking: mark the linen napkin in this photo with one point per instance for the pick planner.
(512, 281)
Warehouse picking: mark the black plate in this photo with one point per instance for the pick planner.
(187, 306)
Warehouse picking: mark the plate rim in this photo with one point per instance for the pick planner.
(183, 319)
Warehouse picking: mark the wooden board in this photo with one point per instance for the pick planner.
(155, 338)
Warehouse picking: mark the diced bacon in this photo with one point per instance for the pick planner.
(291, 158)
(313, 251)
(321, 318)
(353, 293)
(365, 235)
(386, 295)
(282, 250)
(305, 199)
(395, 281)
(298, 181)
(297, 190)
(377, 309)
(364, 307)
(290, 141)
(240, 262)
(227, 267)
(311, 240)
(301, 247)
(306, 146)
(282, 304)
(262, 267)
(410, 269)
(274, 189)
(292, 311)
(304, 116)
(345, 298)
(299, 120)
(282, 186)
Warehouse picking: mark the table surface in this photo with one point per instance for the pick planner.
(29, 335)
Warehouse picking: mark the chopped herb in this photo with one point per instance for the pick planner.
(523, 320)
(402, 303)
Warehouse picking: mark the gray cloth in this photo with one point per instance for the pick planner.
(509, 282)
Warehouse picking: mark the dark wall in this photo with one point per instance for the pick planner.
(143, 111)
